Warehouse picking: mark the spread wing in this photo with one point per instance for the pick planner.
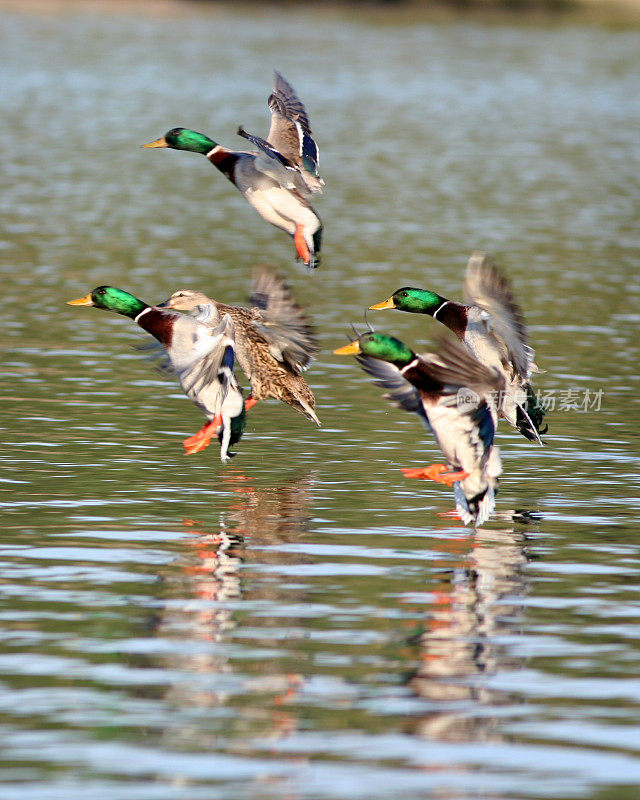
(197, 353)
(207, 314)
(222, 358)
(283, 324)
(454, 367)
(209, 381)
(399, 391)
(274, 165)
(155, 352)
(290, 131)
(486, 287)
(268, 149)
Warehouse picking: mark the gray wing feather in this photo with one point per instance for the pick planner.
(290, 130)
(197, 351)
(283, 324)
(199, 375)
(455, 367)
(486, 287)
(207, 314)
(268, 149)
(154, 351)
(399, 391)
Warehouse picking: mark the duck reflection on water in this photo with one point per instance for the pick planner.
(477, 605)
(208, 593)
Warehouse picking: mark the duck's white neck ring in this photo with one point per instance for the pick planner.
(440, 308)
(142, 313)
(410, 364)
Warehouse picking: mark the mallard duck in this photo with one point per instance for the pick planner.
(491, 326)
(274, 339)
(448, 391)
(279, 177)
(201, 356)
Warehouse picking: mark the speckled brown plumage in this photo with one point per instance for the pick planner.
(268, 376)
(274, 339)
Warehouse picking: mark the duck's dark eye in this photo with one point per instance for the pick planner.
(101, 291)
(405, 294)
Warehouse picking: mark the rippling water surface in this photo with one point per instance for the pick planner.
(304, 623)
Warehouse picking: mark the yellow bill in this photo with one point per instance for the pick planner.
(81, 301)
(161, 142)
(381, 306)
(351, 349)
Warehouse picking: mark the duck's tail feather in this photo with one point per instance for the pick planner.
(529, 417)
(307, 411)
(478, 509)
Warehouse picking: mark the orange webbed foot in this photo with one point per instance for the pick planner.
(302, 248)
(249, 403)
(437, 473)
(453, 477)
(201, 439)
(431, 473)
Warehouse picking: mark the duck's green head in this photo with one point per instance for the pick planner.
(111, 299)
(381, 346)
(184, 139)
(416, 301)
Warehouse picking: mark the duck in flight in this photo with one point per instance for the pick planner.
(277, 178)
(490, 325)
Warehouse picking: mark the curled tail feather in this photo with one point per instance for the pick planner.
(529, 417)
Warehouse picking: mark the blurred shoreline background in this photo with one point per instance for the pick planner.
(607, 12)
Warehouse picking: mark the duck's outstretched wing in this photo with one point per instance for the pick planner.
(225, 356)
(268, 149)
(197, 355)
(274, 165)
(207, 313)
(486, 287)
(399, 391)
(200, 366)
(461, 417)
(455, 368)
(290, 131)
(155, 352)
(210, 382)
(283, 324)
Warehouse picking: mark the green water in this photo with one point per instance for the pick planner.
(302, 623)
